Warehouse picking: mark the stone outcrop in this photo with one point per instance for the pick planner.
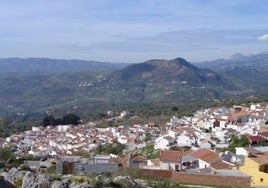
(29, 179)
(127, 181)
(5, 183)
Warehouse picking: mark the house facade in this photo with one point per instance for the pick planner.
(206, 157)
(136, 161)
(170, 160)
(185, 140)
(162, 143)
(78, 165)
(256, 166)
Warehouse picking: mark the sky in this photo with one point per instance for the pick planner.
(132, 31)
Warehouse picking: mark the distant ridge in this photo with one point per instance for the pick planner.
(48, 66)
(237, 60)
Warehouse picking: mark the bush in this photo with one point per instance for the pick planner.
(79, 180)
(18, 182)
(6, 154)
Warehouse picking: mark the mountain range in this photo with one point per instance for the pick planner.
(48, 66)
(40, 85)
(237, 60)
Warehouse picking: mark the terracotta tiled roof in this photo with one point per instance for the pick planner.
(170, 156)
(222, 165)
(255, 138)
(156, 162)
(260, 158)
(176, 130)
(264, 134)
(123, 160)
(236, 115)
(206, 155)
(263, 129)
(138, 158)
(169, 138)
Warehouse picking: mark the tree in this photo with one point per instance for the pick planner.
(238, 142)
(71, 119)
(148, 137)
(99, 149)
(116, 149)
(4, 122)
(6, 154)
(174, 108)
(48, 120)
(110, 148)
(67, 119)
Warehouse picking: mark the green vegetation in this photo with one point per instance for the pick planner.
(148, 137)
(68, 119)
(150, 152)
(79, 179)
(4, 122)
(115, 149)
(18, 182)
(238, 142)
(31, 157)
(6, 154)
(140, 113)
(151, 89)
(262, 143)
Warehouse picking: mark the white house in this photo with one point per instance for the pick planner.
(123, 114)
(92, 146)
(206, 157)
(102, 159)
(248, 130)
(174, 132)
(52, 143)
(174, 121)
(170, 160)
(184, 140)
(253, 107)
(70, 135)
(200, 123)
(122, 139)
(205, 144)
(245, 151)
(63, 128)
(208, 124)
(161, 143)
(35, 129)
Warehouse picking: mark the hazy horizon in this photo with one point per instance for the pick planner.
(133, 31)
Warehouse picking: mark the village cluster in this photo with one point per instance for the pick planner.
(199, 138)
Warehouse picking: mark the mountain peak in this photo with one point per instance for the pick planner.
(158, 69)
(237, 56)
(177, 62)
(185, 63)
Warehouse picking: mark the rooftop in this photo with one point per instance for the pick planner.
(261, 158)
(170, 156)
(206, 155)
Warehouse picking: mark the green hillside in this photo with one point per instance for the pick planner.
(154, 84)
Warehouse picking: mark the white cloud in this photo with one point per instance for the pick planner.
(263, 38)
